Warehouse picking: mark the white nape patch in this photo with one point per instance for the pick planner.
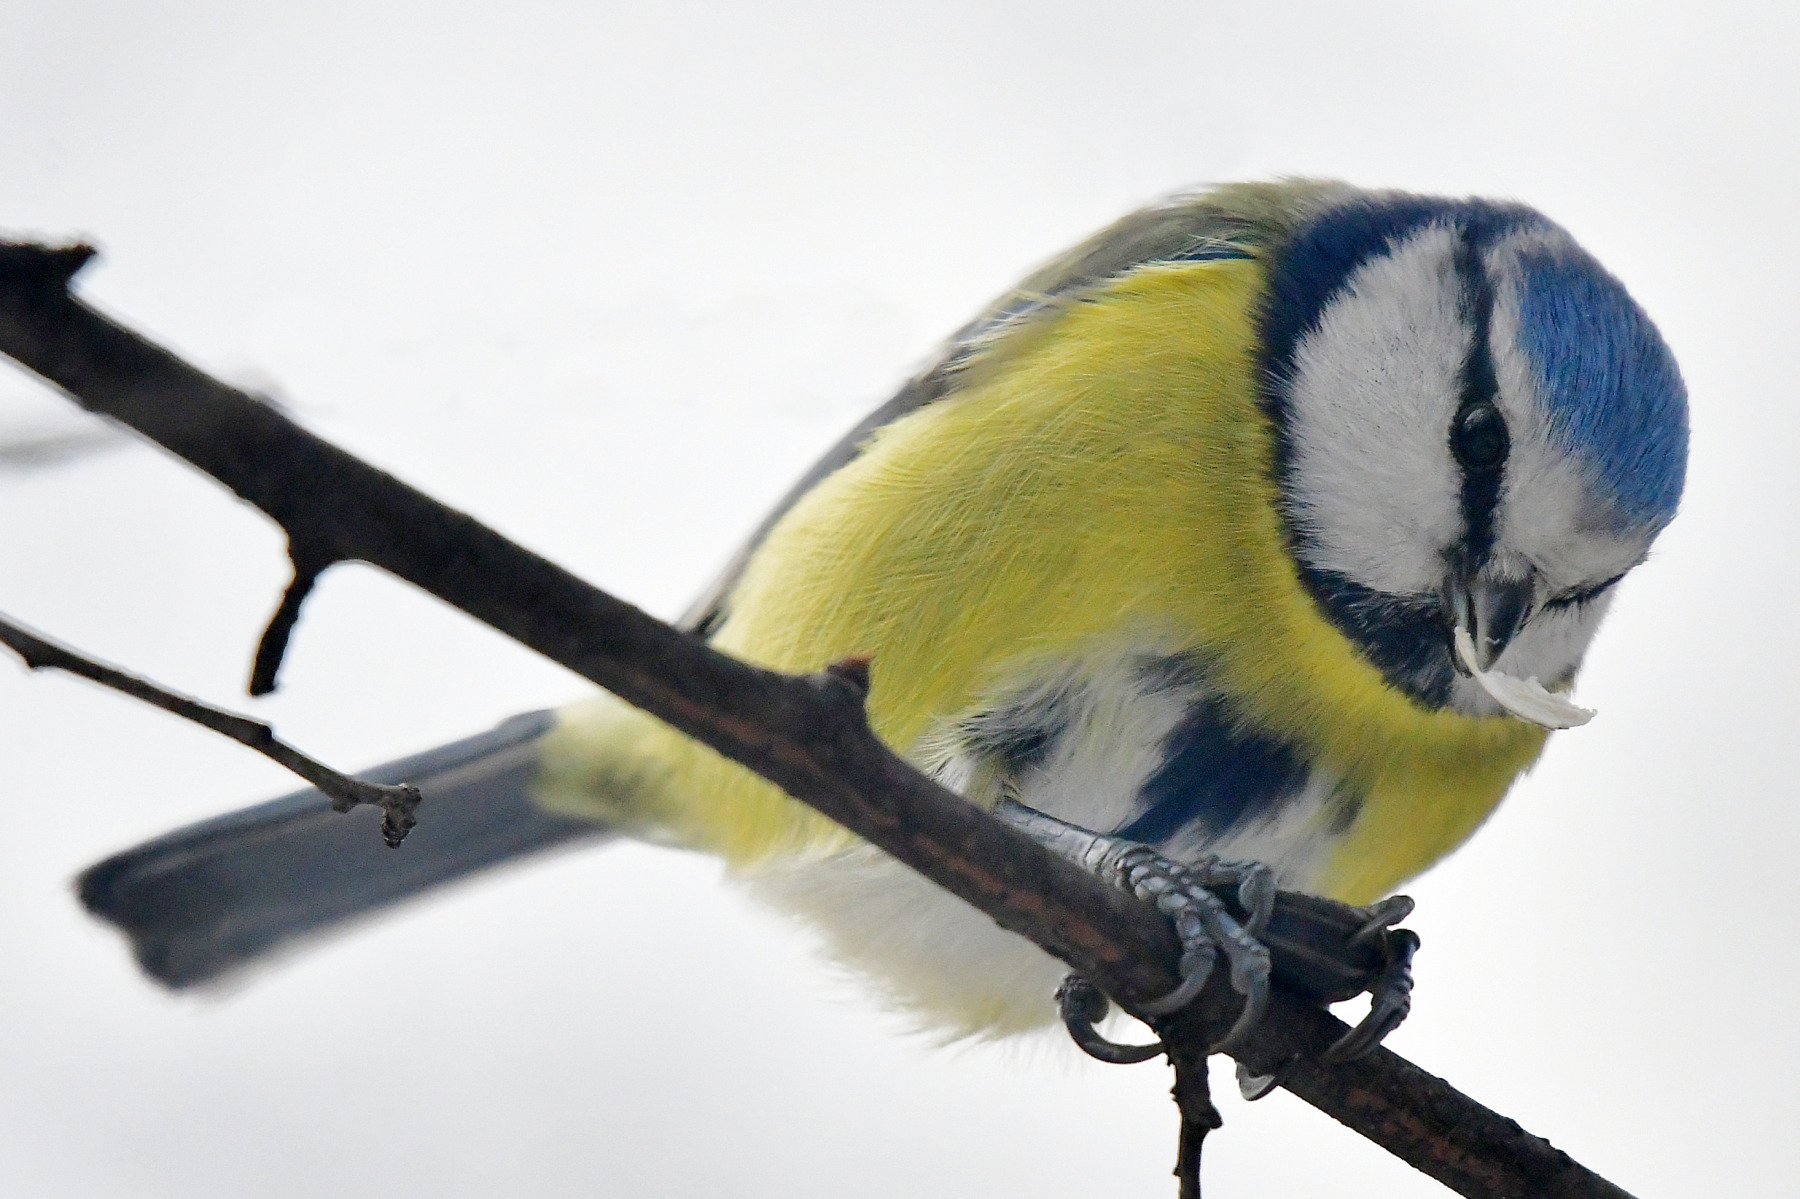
(1376, 492)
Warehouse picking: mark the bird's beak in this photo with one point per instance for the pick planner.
(1493, 610)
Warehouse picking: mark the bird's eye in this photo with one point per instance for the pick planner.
(1478, 436)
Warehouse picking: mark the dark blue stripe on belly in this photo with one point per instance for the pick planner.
(1215, 774)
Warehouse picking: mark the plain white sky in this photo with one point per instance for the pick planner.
(608, 276)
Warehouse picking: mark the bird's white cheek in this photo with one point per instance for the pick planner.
(1373, 490)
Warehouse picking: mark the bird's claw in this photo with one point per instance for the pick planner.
(1391, 992)
(1391, 997)
(1203, 925)
(1380, 916)
(1083, 1005)
(1253, 1086)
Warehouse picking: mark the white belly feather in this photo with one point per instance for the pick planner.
(1077, 740)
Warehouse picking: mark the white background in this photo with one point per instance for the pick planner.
(608, 280)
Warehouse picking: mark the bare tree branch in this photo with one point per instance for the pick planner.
(808, 735)
(397, 804)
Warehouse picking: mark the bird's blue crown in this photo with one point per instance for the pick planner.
(1610, 387)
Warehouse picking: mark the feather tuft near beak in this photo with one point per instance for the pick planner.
(1525, 698)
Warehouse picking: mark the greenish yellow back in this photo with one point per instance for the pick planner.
(1104, 475)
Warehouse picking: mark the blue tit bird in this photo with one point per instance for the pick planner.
(1249, 527)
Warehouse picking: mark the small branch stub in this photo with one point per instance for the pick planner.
(49, 268)
(309, 564)
(854, 673)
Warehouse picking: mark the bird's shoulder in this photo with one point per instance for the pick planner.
(1222, 222)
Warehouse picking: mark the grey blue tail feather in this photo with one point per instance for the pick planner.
(207, 899)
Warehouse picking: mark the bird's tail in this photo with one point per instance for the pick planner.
(204, 900)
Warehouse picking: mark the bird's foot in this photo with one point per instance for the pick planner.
(1388, 985)
(1390, 994)
(1203, 925)
(1206, 927)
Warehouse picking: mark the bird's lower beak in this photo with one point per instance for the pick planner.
(1493, 610)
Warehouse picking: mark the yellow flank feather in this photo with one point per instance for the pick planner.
(1105, 474)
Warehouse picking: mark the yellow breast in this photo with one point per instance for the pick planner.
(1103, 474)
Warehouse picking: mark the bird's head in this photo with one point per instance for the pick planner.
(1476, 426)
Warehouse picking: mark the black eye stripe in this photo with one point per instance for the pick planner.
(1581, 595)
(1478, 436)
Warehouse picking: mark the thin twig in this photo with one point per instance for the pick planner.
(1193, 1097)
(397, 804)
(807, 735)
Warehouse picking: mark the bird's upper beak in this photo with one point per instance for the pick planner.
(1492, 609)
